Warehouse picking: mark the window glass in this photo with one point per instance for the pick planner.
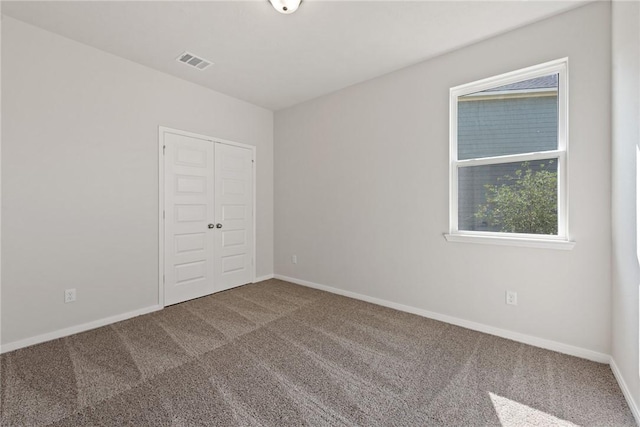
(511, 119)
(517, 197)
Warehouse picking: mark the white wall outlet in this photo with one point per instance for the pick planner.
(294, 259)
(69, 295)
(512, 298)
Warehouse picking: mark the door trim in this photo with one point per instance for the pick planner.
(161, 202)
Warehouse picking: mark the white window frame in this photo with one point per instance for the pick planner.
(559, 241)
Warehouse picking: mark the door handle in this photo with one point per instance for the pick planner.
(210, 226)
(218, 225)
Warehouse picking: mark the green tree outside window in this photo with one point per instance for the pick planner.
(526, 202)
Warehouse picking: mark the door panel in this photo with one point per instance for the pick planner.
(189, 208)
(234, 211)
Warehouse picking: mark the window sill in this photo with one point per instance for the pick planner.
(566, 245)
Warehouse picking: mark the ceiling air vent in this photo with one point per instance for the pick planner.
(193, 60)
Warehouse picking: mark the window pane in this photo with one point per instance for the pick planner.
(509, 197)
(518, 118)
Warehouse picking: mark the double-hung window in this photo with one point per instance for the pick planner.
(508, 158)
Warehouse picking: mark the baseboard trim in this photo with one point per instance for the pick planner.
(263, 278)
(625, 390)
(60, 333)
(480, 327)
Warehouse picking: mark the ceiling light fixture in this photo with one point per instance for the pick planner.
(285, 6)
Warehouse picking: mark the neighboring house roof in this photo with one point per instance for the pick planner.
(545, 82)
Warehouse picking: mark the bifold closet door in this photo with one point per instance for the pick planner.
(234, 214)
(189, 218)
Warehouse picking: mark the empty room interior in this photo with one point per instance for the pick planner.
(285, 213)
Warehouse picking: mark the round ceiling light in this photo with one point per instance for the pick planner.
(285, 6)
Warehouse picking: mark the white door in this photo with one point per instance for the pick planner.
(234, 215)
(207, 216)
(188, 211)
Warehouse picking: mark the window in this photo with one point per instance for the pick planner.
(508, 154)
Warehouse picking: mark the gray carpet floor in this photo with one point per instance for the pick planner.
(278, 354)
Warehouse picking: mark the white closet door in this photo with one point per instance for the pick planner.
(234, 216)
(189, 218)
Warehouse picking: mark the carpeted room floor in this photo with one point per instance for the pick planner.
(278, 354)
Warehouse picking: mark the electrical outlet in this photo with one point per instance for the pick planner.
(294, 259)
(69, 295)
(512, 298)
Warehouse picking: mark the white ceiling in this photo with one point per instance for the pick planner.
(276, 60)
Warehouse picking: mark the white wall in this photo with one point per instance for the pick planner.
(361, 179)
(80, 177)
(626, 175)
(0, 177)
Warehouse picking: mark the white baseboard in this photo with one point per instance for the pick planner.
(625, 390)
(76, 329)
(263, 278)
(515, 336)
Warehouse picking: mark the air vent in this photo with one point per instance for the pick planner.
(193, 61)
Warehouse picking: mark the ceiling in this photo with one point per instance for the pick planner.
(274, 60)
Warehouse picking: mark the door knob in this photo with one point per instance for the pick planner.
(218, 225)
(210, 225)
